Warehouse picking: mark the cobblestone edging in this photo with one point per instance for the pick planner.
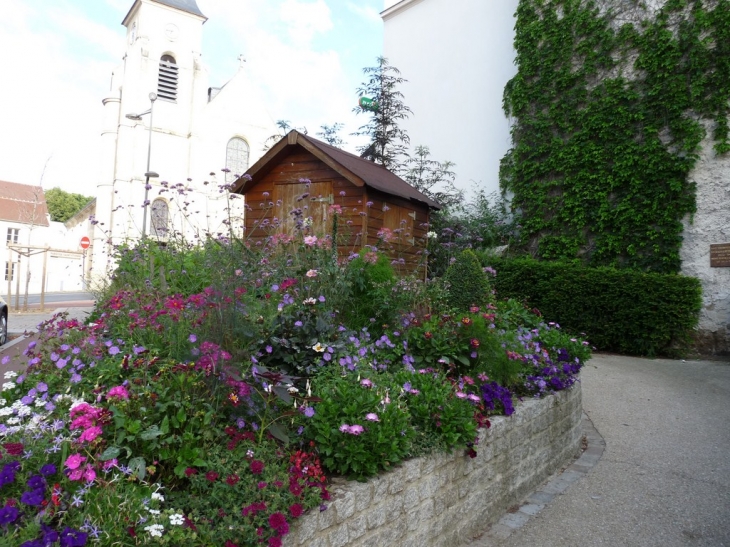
(447, 499)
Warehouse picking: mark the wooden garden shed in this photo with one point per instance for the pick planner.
(374, 206)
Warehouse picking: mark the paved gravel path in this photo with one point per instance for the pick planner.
(664, 477)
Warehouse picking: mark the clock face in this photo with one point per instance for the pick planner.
(171, 31)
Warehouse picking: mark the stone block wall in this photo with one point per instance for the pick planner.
(446, 499)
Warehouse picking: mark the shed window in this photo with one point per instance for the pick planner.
(13, 235)
(236, 158)
(167, 79)
(160, 218)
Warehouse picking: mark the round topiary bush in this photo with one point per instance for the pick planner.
(468, 284)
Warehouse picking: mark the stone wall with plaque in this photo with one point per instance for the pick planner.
(720, 255)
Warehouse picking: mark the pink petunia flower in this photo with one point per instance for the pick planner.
(372, 417)
(74, 461)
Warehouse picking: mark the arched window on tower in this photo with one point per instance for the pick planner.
(236, 158)
(167, 78)
(160, 218)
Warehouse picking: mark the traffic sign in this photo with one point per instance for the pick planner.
(85, 242)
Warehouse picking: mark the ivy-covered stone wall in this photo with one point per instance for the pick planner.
(608, 107)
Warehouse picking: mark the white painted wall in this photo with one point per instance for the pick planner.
(457, 56)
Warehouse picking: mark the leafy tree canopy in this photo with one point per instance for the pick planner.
(63, 205)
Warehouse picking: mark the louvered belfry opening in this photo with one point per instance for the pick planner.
(167, 79)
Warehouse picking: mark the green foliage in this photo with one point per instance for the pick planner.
(433, 178)
(372, 278)
(380, 444)
(445, 420)
(618, 310)
(63, 205)
(388, 142)
(468, 284)
(609, 107)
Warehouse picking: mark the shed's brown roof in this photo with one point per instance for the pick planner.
(23, 203)
(357, 170)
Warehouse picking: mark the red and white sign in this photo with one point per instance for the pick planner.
(85, 242)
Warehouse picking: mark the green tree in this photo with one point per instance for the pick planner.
(388, 142)
(433, 178)
(63, 205)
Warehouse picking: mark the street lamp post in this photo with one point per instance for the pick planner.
(148, 174)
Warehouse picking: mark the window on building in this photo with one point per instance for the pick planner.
(10, 271)
(167, 78)
(13, 234)
(160, 218)
(236, 158)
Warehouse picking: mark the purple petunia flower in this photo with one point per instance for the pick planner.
(33, 497)
(114, 350)
(48, 470)
(309, 411)
(8, 515)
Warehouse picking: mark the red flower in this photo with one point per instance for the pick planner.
(132, 532)
(257, 467)
(14, 449)
(262, 485)
(296, 510)
(277, 520)
(275, 542)
(474, 343)
(232, 479)
(229, 543)
(190, 471)
(427, 335)
(211, 476)
(466, 321)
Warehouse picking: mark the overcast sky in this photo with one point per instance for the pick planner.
(57, 57)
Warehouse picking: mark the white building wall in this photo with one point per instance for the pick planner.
(457, 57)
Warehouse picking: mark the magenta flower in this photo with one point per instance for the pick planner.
(90, 434)
(344, 428)
(74, 461)
(365, 382)
(118, 392)
(372, 417)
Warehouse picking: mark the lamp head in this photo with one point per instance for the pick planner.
(135, 117)
(151, 175)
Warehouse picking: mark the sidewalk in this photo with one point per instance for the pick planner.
(663, 478)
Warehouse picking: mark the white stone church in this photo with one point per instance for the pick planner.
(168, 135)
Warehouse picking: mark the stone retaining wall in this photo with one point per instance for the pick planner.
(446, 499)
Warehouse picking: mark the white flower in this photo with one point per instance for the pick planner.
(154, 511)
(312, 273)
(23, 411)
(431, 235)
(3, 402)
(155, 530)
(11, 385)
(13, 420)
(156, 496)
(10, 374)
(7, 411)
(176, 520)
(318, 347)
(310, 301)
(39, 402)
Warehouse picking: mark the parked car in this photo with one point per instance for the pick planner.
(3, 321)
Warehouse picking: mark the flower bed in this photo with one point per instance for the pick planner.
(219, 390)
(447, 499)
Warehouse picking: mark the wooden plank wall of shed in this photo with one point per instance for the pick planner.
(300, 164)
(359, 223)
(407, 220)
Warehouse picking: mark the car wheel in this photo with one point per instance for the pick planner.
(3, 328)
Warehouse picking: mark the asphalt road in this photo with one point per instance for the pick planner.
(54, 298)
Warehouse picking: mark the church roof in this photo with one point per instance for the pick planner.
(189, 6)
(357, 170)
(23, 204)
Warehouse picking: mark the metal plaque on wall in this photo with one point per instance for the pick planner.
(720, 255)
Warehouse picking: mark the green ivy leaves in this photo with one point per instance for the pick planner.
(608, 126)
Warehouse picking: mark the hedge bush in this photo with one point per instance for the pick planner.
(624, 311)
(468, 284)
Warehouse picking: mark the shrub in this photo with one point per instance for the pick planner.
(360, 427)
(468, 284)
(618, 310)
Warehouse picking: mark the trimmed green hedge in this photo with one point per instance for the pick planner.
(623, 311)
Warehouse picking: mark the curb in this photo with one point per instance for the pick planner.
(520, 515)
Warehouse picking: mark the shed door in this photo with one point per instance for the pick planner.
(312, 200)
